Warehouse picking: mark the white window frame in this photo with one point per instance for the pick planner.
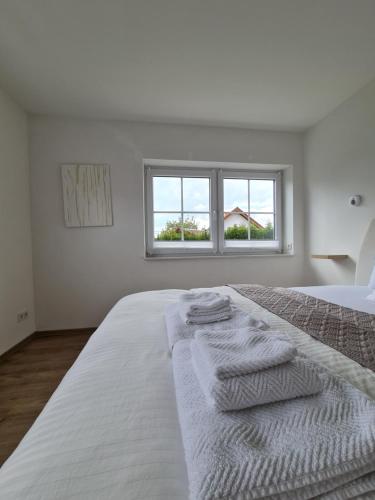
(256, 246)
(217, 245)
(180, 247)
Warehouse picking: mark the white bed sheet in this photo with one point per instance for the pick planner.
(353, 297)
(110, 431)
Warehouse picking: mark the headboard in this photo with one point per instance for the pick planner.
(366, 257)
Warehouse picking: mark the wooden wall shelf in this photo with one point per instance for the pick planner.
(330, 257)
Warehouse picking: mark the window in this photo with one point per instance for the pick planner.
(211, 211)
(251, 211)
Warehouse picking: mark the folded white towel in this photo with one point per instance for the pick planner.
(289, 380)
(179, 330)
(212, 317)
(315, 447)
(198, 314)
(243, 351)
(204, 307)
(203, 302)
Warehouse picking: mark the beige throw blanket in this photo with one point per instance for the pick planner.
(348, 331)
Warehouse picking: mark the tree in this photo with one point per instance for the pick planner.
(236, 232)
(173, 231)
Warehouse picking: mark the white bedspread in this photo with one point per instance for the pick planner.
(110, 431)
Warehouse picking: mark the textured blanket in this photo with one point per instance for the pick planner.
(348, 331)
(297, 449)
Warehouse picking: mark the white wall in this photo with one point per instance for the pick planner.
(16, 281)
(80, 273)
(339, 162)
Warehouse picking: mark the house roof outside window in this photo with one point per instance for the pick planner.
(245, 215)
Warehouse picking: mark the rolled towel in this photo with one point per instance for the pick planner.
(195, 303)
(289, 380)
(179, 330)
(243, 350)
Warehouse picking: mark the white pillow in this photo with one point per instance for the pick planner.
(371, 283)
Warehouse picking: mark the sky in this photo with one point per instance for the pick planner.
(196, 197)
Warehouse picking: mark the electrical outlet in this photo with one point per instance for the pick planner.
(289, 247)
(22, 316)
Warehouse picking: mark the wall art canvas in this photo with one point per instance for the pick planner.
(87, 195)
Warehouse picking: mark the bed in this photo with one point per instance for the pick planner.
(111, 428)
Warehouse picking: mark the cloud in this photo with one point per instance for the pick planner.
(236, 195)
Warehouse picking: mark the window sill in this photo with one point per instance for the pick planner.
(228, 256)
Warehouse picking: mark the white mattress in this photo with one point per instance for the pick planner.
(110, 431)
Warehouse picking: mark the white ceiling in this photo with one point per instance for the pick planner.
(280, 64)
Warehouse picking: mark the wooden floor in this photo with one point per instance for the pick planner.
(28, 377)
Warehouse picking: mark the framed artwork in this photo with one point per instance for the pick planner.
(87, 195)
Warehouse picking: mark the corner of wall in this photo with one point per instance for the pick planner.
(339, 159)
(16, 275)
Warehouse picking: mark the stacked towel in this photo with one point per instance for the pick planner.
(204, 307)
(179, 330)
(204, 302)
(315, 447)
(242, 351)
(246, 367)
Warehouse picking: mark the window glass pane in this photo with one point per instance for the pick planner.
(167, 227)
(196, 227)
(167, 194)
(236, 226)
(261, 195)
(196, 192)
(262, 226)
(180, 212)
(236, 195)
